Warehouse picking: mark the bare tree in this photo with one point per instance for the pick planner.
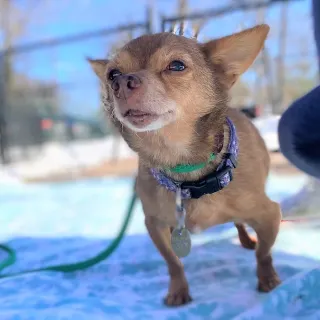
(281, 57)
(15, 22)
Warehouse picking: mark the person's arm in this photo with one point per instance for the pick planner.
(316, 26)
(299, 127)
(299, 133)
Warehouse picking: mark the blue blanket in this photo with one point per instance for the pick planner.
(66, 223)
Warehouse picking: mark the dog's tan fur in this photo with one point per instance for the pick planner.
(197, 100)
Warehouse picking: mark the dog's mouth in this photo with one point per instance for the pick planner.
(132, 113)
(141, 119)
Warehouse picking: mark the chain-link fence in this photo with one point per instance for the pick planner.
(48, 92)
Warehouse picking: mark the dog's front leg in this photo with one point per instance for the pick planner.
(178, 290)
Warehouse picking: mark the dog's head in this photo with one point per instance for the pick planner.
(162, 81)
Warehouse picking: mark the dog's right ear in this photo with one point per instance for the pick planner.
(99, 66)
(235, 53)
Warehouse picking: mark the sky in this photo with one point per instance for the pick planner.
(66, 65)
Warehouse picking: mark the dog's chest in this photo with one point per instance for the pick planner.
(204, 213)
(200, 214)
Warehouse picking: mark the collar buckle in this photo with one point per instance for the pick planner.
(209, 184)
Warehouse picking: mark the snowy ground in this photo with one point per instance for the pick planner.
(67, 222)
(92, 208)
(58, 157)
(59, 223)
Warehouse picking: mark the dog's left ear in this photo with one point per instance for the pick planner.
(235, 53)
(99, 67)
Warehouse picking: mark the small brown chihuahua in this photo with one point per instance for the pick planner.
(168, 95)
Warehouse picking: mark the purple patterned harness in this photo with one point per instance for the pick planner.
(211, 183)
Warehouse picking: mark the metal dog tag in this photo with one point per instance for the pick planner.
(181, 242)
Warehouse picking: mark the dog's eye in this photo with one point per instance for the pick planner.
(176, 65)
(113, 74)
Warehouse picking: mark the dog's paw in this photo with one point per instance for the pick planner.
(178, 298)
(178, 293)
(267, 284)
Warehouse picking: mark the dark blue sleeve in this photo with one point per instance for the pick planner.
(316, 26)
(299, 127)
(299, 133)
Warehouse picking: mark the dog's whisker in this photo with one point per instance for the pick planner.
(140, 138)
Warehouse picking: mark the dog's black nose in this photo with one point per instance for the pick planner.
(124, 84)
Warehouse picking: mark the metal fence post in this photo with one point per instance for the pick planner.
(3, 111)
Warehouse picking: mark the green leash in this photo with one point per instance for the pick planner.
(72, 267)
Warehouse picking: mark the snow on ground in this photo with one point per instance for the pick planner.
(48, 224)
(60, 157)
(92, 208)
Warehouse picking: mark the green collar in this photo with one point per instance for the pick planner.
(186, 168)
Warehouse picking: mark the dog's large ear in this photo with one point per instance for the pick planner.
(235, 53)
(99, 67)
